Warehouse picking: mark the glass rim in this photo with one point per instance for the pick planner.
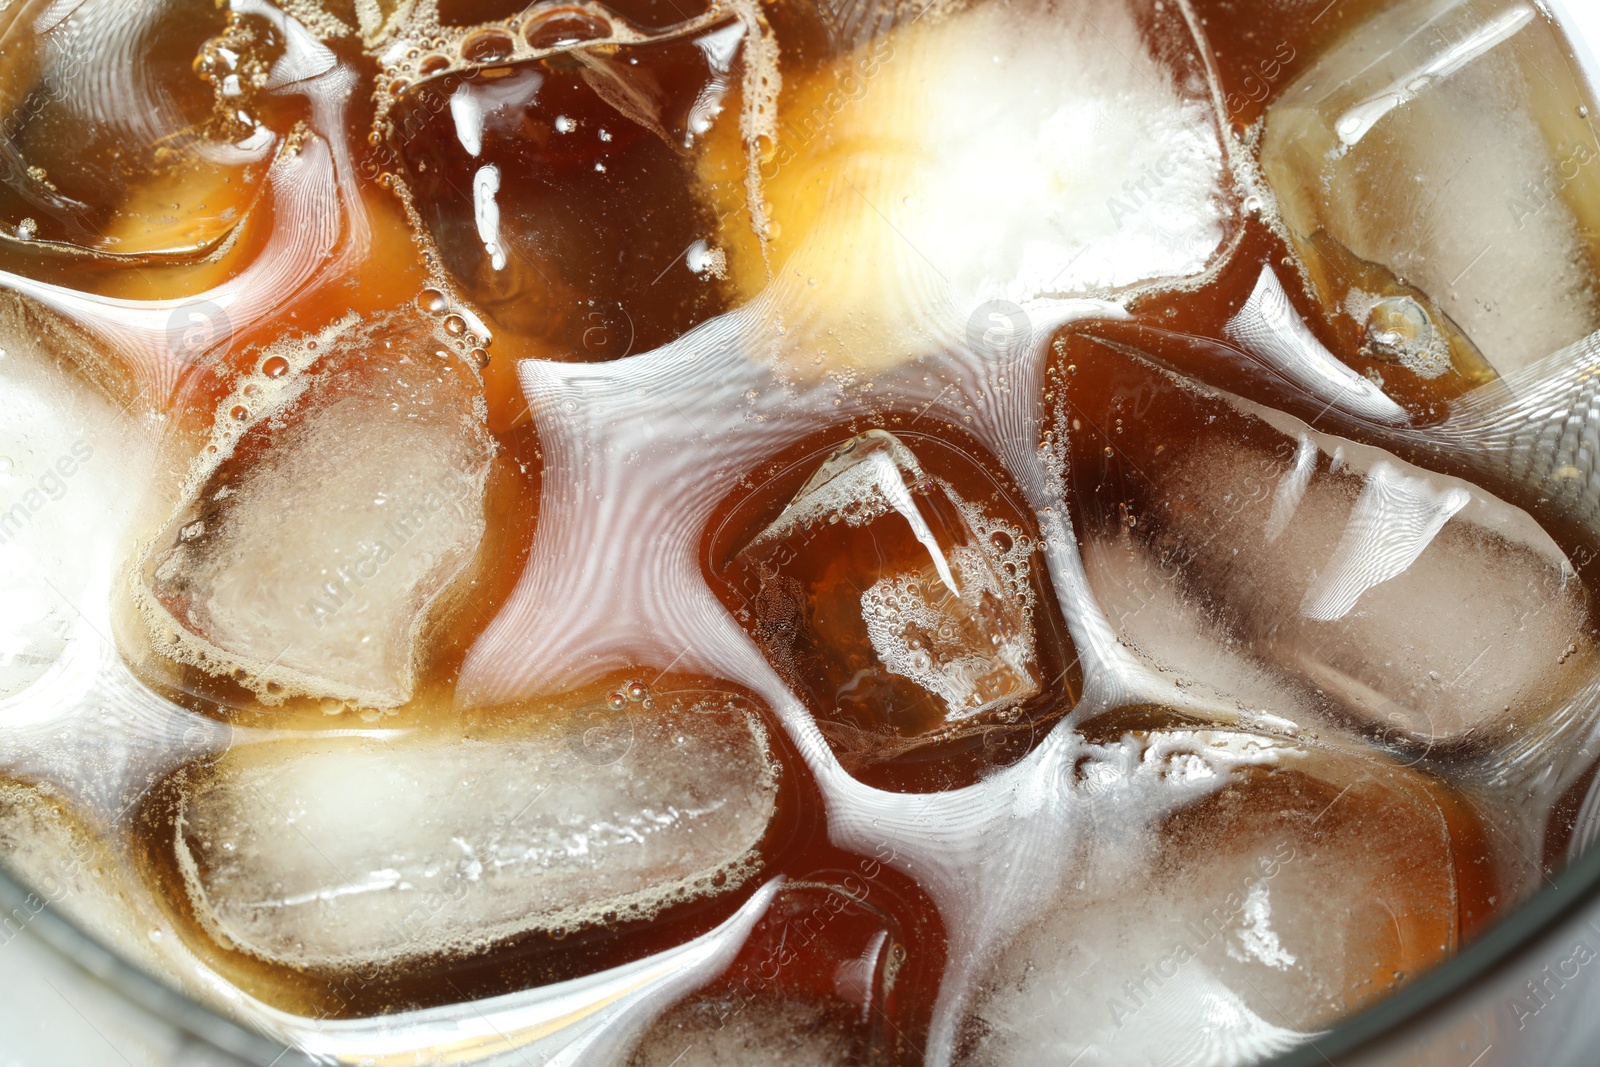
(83, 949)
(1520, 933)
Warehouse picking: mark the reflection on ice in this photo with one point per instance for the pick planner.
(1269, 329)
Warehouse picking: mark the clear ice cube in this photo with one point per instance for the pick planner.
(129, 129)
(1292, 896)
(344, 851)
(1419, 607)
(906, 615)
(342, 493)
(1444, 145)
(559, 190)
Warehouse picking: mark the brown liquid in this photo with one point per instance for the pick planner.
(593, 278)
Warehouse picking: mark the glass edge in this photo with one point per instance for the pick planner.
(1517, 935)
(83, 950)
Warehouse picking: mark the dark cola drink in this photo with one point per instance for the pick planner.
(857, 532)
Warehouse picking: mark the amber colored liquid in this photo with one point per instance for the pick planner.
(593, 297)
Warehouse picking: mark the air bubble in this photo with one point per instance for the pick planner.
(1399, 327)
(479, 358)
(240, 412)
(568, 28)
(275, 367)
(489, 46)
(455, 325)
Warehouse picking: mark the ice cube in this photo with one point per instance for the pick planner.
(993, 155)
(327, 853)
(1288, 898)
(1418, 606)
(115, 146)
(1157, 618)
(344, 495)
(813, 984)
(1444, 144)
(148, 339)
(70, 464)
(907, 616)
(558, 190)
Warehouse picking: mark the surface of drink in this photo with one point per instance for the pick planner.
(986, 531)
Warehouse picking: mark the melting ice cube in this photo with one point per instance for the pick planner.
(329, 853)
(1445, 143)
(1014, 153)
(112, 144)
(49, 849)
(907, 615)
(559, 190)
(69, 491)
(1288, 898)
(345, 493)
(1419, 606)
